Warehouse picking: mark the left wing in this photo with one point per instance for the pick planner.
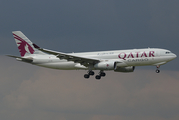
(77, 59)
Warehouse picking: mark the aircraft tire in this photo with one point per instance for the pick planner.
(157, 71)
(86, 76)
(102, 74)
(98, 77)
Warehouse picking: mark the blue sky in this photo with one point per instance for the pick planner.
(81, 25)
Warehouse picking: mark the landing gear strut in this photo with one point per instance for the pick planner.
(157, 70)
(91, 73)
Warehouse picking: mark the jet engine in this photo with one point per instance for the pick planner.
(125, 69)
(114, 65)
(109, 65)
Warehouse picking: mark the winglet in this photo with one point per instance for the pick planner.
(35, 46)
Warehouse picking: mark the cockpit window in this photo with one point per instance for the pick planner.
(167, 52)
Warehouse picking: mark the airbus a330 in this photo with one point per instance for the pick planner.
(116, 60)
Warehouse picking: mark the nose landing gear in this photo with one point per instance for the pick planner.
(157, 70)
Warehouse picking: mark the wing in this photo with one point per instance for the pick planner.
(77, 59)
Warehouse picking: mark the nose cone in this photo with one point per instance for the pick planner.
(174, 56)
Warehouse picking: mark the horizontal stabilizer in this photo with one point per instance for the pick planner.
(29, 59)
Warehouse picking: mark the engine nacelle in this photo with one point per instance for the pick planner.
(124, 69)
(109, 65)
(114, 65)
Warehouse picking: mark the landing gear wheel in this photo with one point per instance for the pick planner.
(102, 74)
(86, 76)
(157, 71)
(98, 77)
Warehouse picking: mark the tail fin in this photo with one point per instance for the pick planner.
(24, 44)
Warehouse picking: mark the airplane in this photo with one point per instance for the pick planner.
(116, 60)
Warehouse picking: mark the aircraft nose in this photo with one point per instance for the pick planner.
(174, 56)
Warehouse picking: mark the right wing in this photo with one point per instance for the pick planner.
(77, 59)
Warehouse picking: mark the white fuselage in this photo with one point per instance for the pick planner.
(132, 57)
(117, 60)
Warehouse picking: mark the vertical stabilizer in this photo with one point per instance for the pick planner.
(24, 44)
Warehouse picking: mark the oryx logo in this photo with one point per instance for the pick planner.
(23, 46)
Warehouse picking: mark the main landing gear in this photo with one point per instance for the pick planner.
(89, 73)
(157, 70)
(101, 74)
